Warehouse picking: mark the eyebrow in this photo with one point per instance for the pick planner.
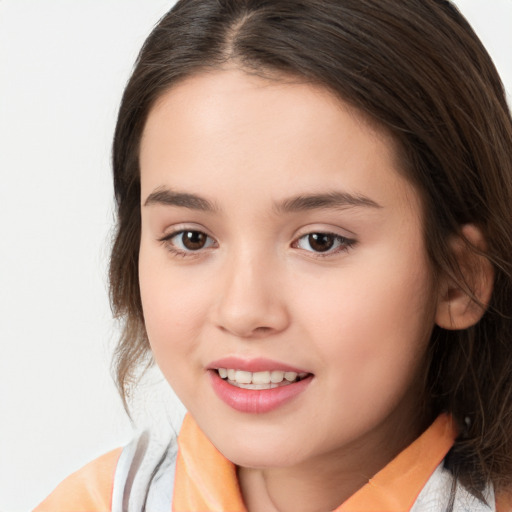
(333, 200)
(303, 202)
(168, 197)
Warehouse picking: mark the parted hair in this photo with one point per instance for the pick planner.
(417, 69)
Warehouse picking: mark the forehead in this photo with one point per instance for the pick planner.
(244, 98)
(228, 127)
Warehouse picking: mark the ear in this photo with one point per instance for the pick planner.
(461, 307)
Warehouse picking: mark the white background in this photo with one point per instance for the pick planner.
(63, 65)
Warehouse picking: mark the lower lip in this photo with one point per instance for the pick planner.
(256, 401)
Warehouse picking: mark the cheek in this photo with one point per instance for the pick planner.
(173, 308)
(372, 325)
(172, 313)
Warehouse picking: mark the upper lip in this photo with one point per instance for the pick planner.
(259, 364)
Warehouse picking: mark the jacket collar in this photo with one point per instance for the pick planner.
(207, 481)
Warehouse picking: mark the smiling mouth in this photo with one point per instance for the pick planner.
(259, 380)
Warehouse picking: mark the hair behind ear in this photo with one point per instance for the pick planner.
(463, 298)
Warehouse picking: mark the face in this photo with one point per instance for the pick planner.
(281, 247)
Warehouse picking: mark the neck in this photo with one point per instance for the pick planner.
(322, 484)
(279, 490)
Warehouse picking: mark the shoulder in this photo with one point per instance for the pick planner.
(88, 489)
(443, 492)
(144, 477)
(126, 479)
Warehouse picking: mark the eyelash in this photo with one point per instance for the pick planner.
(184, 253)
(342, 244)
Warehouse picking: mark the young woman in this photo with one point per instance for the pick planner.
(314, 239)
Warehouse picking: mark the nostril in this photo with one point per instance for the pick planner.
(247, 331)
(263, 329)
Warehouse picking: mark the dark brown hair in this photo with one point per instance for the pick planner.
(418, 70)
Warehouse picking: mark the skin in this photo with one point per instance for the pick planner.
(358, 317)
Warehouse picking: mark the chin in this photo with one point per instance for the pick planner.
(260, 453)
(261, 460)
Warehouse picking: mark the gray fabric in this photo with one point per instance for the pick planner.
(144, 482)
(144, 477)
(436, 496)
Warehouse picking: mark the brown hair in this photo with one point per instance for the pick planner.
(417, 69)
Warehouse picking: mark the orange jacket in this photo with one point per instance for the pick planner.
(205, 481)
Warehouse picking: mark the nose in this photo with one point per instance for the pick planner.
(251, 300)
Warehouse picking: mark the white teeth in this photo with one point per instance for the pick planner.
(256, 386)
(276, 376)
(259, 380)
(243, 377)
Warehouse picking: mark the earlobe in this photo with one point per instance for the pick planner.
(462, 303)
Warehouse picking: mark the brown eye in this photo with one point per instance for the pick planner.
(193, 240)
(187, 241)
(321, 242)
(328, 243)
